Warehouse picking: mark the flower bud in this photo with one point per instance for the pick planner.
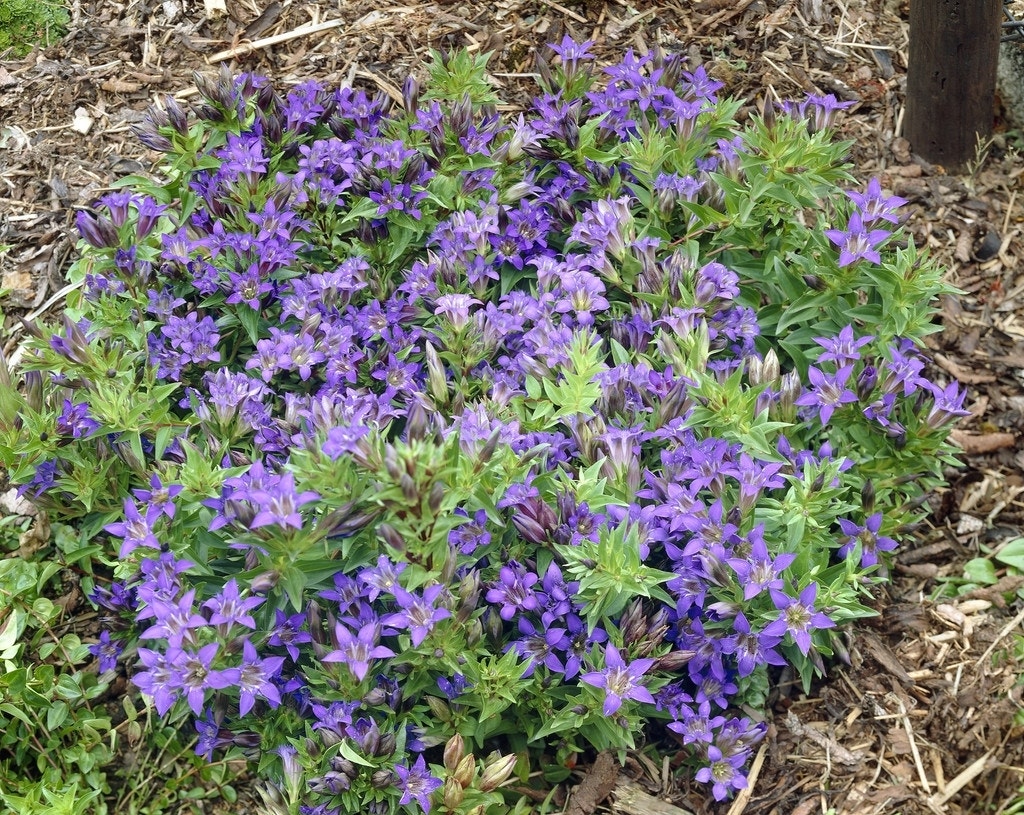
(474, 632)
(375, 697)
(265, 582)
(437, 493)
(454, 752)
(33, 381)
(411, 94)
(98, 230)
(391, 537)
(439, 708)
(452, 794)
(632, 624)
(496, 774)
(673, 661)
(866, 382)
(387, 745)
(867, 497)
(382, 779)
(343, 765)
(437, 380)
(812, 281)
(465, 770)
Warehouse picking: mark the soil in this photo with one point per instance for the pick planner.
(924, 718)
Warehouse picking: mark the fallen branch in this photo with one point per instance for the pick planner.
(244, 48)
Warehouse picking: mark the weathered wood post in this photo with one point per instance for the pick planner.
(951, 77)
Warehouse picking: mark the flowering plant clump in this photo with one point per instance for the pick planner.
(429, 448)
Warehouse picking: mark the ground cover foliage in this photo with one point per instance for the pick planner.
(417, 449)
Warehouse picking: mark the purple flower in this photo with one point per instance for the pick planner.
(948, 404)
(198, 675)
(868, 538)
(357, 651)
(620, 681)
(173, 619)
(277, 502)
(758, 571)
(571, 51)
(513, 590)
(797, 617)
(248, 287)
(715, 282)
(256, 678)
(453, 688)
(455, 308)
(416, 783)
(287, 633)
(752, 648)
(381, 578)
(196, 340)
(874, 206)
(857, 241)
(161, 680)
(107, 651)
(211, 735)
(842, 349)
(827, 392)
(74, 421)
(417, 613)
(820, 111)
(135, 530)
(471, 535)
(42, 479)
(158, 497)
(724, 774)
(228, 608)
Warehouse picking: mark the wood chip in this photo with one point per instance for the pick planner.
(976, 443)
(965, 375)
(835, 750)
(631, 799)
(596, 786)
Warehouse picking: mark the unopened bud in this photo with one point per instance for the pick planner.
(387, 745)
(439, 708)
(410, 489)
(454, 752)
(452, 794)
(497, 773)
(867, 497)
(98, 230)
(465, 770)
(382, 779)
(265, 582)
(633, 624)
(866, 382)
(437, 380)
(411, 94)
(391, 537)
(437, 493)
(673, 661)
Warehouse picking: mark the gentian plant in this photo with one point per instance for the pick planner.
(428, 448)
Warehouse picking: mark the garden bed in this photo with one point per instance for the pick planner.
(922, 720)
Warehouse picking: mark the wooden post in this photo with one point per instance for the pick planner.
(951, 77)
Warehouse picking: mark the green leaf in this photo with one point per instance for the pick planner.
(980, 570)
(1012, 554)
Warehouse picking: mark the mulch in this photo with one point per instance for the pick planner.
(925, 716)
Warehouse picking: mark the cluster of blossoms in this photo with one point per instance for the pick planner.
(519, 434)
